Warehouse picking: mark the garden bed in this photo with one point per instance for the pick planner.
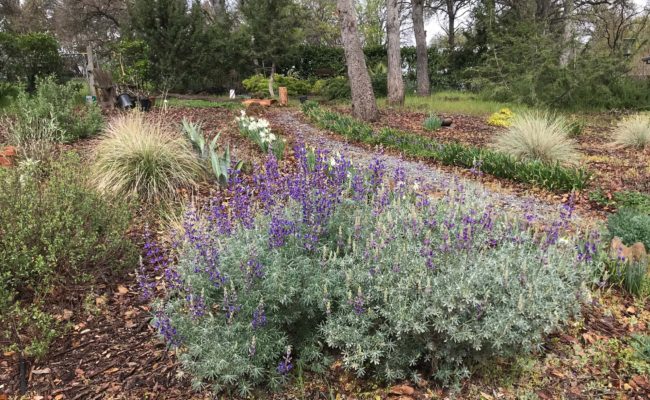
(613, 169)
(110, 349)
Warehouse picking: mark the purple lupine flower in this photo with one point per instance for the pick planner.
(145, 284)
(218, 218)
(252, 269)
(259, 317)
(279, 229)
(230, 305)
(196, 305)
(163, 325)
(285, 366)
(377, 170)
(358, 303)
(476, 168)
(359, 191)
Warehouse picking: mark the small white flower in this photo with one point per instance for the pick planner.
(332, 162)
(272, 137)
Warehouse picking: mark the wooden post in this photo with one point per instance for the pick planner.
(90, 70)
(284, 96)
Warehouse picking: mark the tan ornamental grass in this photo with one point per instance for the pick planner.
(144, 158)
(538, 136)
(633, 131)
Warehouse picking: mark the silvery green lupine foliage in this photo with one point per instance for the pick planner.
(329, 260)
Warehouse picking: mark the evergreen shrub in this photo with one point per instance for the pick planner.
(54, 231)
(61, 107)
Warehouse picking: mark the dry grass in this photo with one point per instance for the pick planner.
(145, 159)
(538, 136)
(633, 131)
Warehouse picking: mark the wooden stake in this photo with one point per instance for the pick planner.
(284, 96)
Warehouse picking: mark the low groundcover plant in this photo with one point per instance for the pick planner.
(330, 260)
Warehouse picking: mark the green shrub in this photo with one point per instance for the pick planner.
(622, 199)
(641, 346)
(54, 233)
(336, 88)
(631, 226)
(8, 92)
(538, 173)
(538, 136)
(432, 123)
(633, 131)
(27, 56)
(144, 159)
(260, 83)
(399, 285)
(61, 107)
(318, 86)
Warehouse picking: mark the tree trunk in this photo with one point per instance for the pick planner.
(271, 80)
(567, 34)
(395, 81)
(364, 105)
(90, 70)
(422, 70)
(451, 20)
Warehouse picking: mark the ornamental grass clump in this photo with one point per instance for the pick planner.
(145, 159)
(538, 137)
(287, 270)
(633, 132)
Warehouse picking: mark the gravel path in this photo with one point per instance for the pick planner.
(427, 175)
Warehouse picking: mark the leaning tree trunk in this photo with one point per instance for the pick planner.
(395, 81)
(422, 70)
(364, 105)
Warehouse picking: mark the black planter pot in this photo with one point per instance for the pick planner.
(124, 101)
(302, 99)
(145, 103)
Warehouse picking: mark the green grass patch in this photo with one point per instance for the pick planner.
(194, 103)
(455, 102)
(554, 177)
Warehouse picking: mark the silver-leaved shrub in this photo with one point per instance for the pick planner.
(358, 264)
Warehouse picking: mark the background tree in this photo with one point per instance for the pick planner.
(422, 70)
(371, 21)
(175, 35)
(364, 105)
(273, 27)
(395, 80)
(453, 10)
(322, 26)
